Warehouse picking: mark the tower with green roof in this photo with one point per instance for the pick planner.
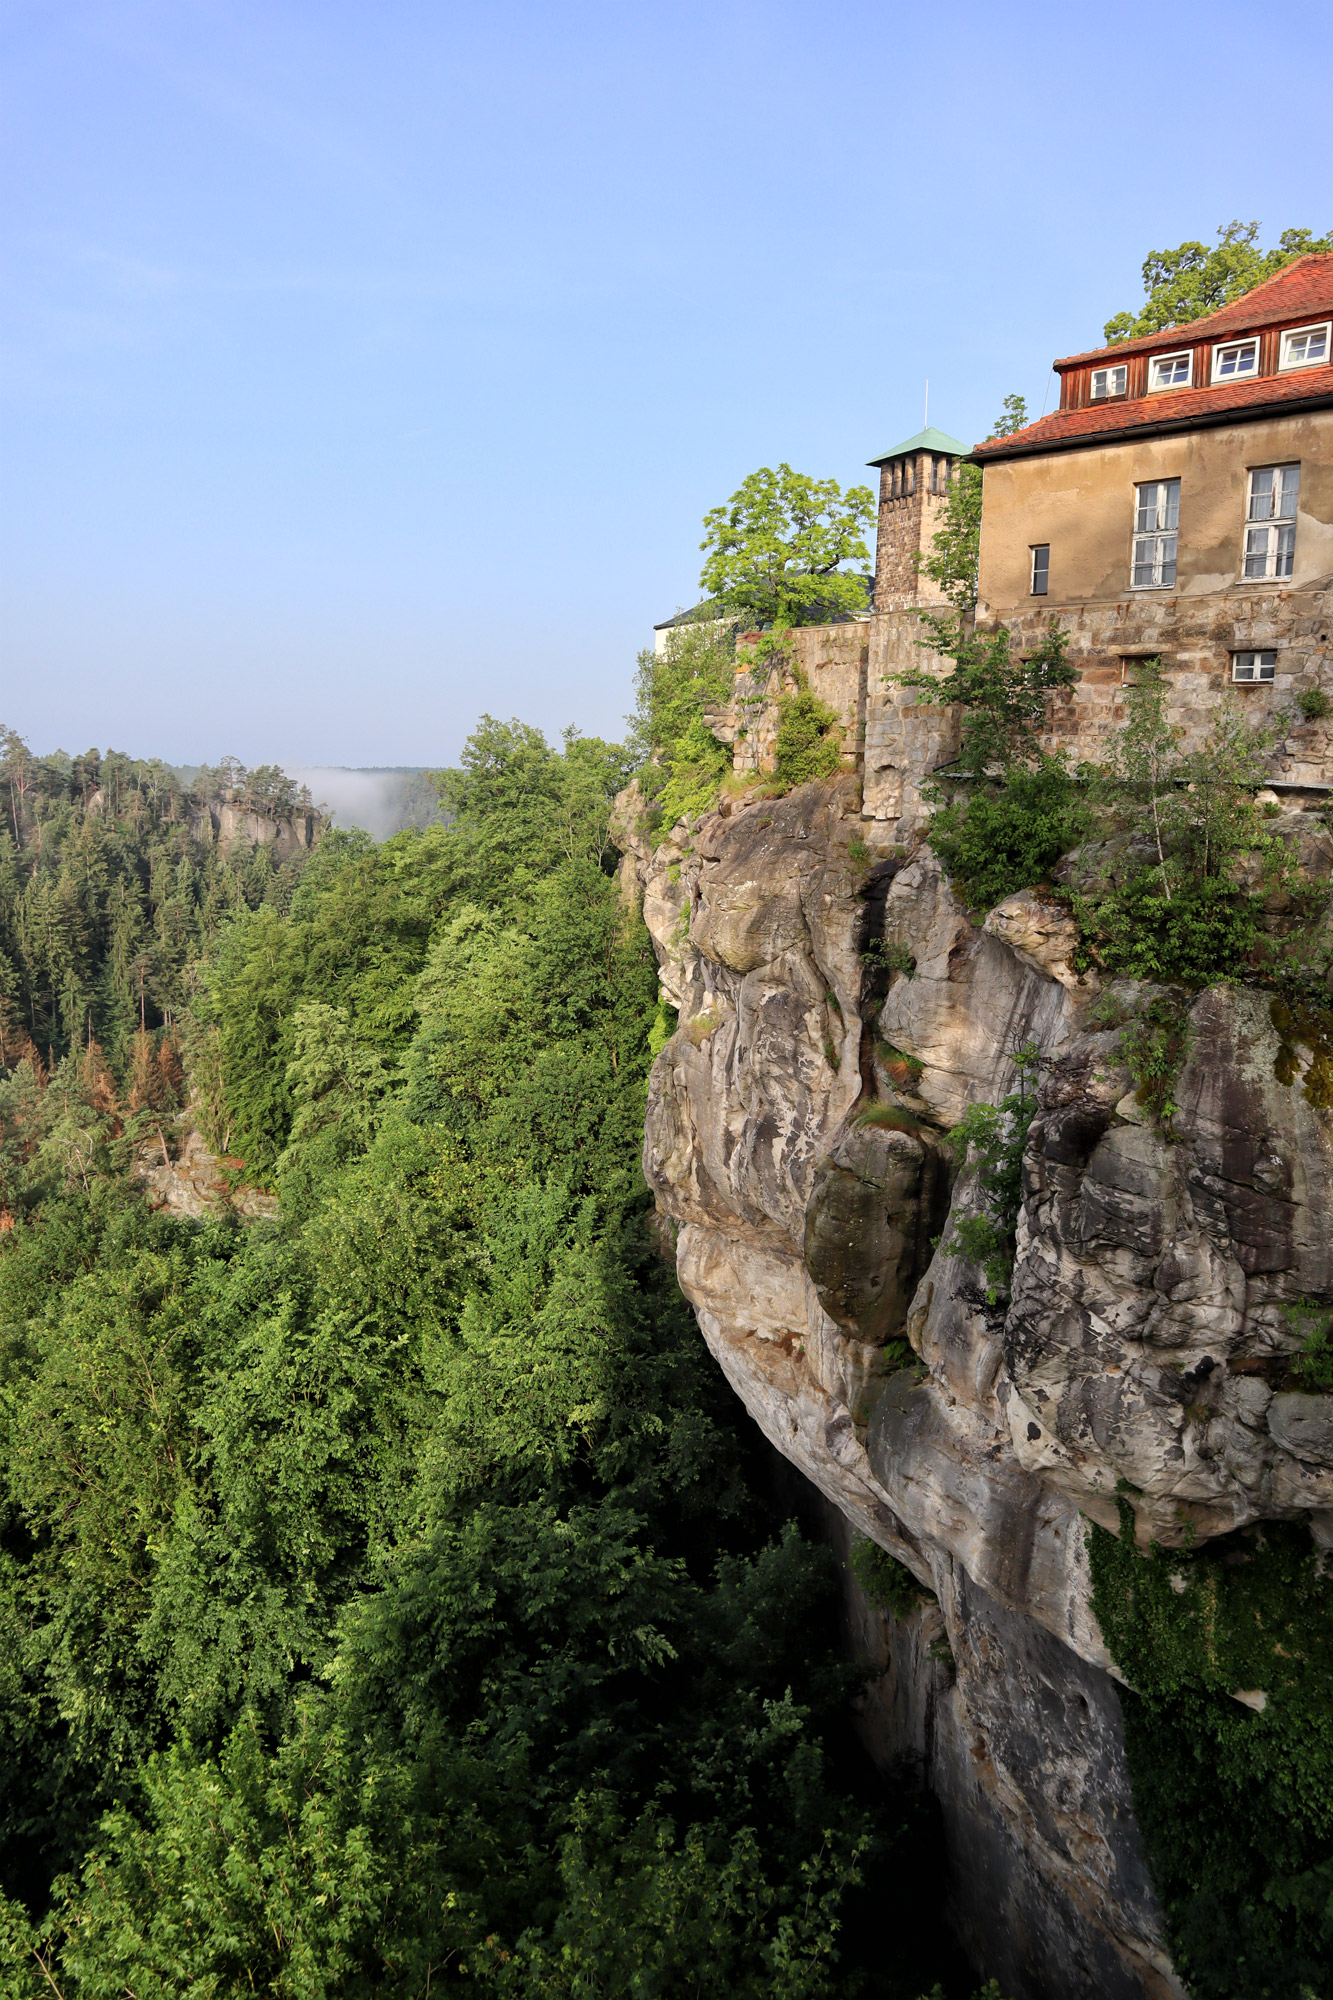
(913, 480)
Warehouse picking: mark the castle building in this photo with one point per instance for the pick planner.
(1179, 504)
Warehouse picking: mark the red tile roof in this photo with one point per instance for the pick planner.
(1167, 410)
(1304, 290)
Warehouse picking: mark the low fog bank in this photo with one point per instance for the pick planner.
(380, 799)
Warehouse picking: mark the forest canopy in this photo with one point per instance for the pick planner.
(391, 1593)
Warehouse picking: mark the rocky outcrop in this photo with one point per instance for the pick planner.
(838, 1014)
(235, 825)
(182, 1176)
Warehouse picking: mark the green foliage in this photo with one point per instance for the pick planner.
(1313, 704)
(905, 1071)
(1204, 932)
(1236, 1807)
(884, 957)
(955, 548)
(1156, 1045)
(809, 739)
(1305, 1025)
(885, 1581)
(1004, 700)
(995, 1136)
(1009, 838)
(386, 1596)
(775, 551)
(1190, 281)
(677, 690)
(111, 886)
(1180, 918)
(1312, 1325)
(887, 1118)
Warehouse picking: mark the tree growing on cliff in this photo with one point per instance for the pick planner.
(1186, 283)
(776, 552)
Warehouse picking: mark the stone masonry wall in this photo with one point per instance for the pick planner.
(888, 733)
(906, 527)
(1195, 638)
(895, 740)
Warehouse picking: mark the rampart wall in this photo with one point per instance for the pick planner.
(894, 740)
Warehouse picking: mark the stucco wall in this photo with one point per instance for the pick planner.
(1082, 504)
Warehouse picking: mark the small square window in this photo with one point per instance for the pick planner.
(1234, 359)
(1107, 382)
(1305, 346)
(1041, 569)
(1171, 371)
(1249, 668)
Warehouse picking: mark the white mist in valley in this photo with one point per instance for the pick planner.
(380, 801)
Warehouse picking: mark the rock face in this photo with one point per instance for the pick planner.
(183, 1177)
(797, 1139)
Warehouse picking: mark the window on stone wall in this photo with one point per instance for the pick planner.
(1251, 667)
(1156, 520)
(1107, 382)
(1270, 522)
(1041, 569)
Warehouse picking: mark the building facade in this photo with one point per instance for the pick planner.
(1179, 504)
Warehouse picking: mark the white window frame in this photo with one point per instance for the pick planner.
(1155, 361)
(1289, 334)
(1255, 667)
(1251, 341)
(1034, 550)
(1164, 537)
(1119, 368)
(1270, 538)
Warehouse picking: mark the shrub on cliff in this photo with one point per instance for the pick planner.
(1008, 838)
(809, 739)
(681, 762)
(1182, 916)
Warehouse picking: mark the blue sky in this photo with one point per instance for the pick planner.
(368, 366)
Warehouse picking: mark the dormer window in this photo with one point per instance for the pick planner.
(1305, 346)
(1234, 359)
(1108, 382)
(1171, 371)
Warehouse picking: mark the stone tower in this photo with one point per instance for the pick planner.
(913, 480)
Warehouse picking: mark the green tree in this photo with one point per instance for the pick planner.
(955, 549)
(679, 692)
(1182, 915)
(1192, 280)
(1004, 698)
(775, 552)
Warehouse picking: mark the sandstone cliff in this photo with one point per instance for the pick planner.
(1143, 1347)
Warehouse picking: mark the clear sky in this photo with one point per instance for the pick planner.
(370, 365)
